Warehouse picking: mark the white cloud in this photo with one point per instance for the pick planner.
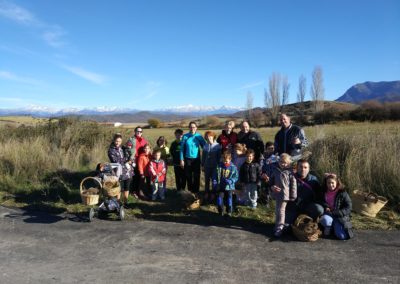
(9, 76)
(251, 85)
(17, 14)
(87, 75)
(53, 35)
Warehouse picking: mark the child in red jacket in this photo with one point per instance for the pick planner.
(142, 163)
(157, 173)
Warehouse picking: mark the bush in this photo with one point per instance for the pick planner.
(154, 122)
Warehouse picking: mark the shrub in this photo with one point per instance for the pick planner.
(154, 122)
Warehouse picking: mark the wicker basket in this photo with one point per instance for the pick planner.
(367, 204)
(90, 196)
(305, 229)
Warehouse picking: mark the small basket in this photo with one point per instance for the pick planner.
(305, 229)
(90, 196)
(367, 204)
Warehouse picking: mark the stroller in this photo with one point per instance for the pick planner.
(105, 185)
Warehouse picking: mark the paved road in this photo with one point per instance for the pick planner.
(42, 248)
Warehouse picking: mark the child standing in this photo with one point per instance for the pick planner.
(180, 178)
(283, 189)
(143, 161)
(165, 155)
(250, 173)
(225, 177)
(239, 157)
(210, 159)
(157, 173)
(337, 205)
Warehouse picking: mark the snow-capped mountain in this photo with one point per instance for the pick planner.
(42, 111)
(202, 110)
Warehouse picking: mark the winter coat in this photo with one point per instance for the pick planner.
(250, 173)
(342, 209)
(175, 152)
(211, 155)
(225, 177)
(225, 139)
(157, 170)
(134, 146)
(284, 179)
(118, 155)
(142, 163)
(191, 144)
(308, 190)
(284, 138)
(252, 140)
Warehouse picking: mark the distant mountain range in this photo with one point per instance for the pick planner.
(113, 114)
(378, 91)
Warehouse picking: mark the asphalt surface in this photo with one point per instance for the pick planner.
(41, 248)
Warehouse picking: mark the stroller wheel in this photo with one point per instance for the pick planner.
(121, 213)
(91, 214)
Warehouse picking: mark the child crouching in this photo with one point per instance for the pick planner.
(337, 204)
(157, 171)
(225, 177)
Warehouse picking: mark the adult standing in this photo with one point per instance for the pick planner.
(118, 155)
(190, 156)
(228, 138)
(308, 191)
(251, 139)
(135, 145)
(290, 138)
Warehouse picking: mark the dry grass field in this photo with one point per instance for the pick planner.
(42, 163)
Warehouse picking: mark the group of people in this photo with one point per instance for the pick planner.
(237, 168)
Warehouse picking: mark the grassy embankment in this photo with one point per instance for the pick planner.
(41, 167)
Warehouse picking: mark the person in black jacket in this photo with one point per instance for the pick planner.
(250, 176)
(337, 206)
(290, 139)
(175, 151)
(252, 140)
(119, 156)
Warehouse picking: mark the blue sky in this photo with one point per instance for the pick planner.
(153, 54)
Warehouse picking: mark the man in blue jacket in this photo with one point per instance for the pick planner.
(190, 156)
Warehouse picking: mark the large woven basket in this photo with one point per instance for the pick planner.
(90, 195)
(367, 204)
(305, 229)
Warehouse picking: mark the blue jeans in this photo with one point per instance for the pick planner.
(338, 228)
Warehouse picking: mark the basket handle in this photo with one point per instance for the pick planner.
(301, 218)
(372, 196)
(88, 178)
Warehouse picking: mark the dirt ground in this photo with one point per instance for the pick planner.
(41, 248)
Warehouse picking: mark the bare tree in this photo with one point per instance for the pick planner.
(249, 106)
(285, 91)
(301, 94)
(317, 89)
(272, 96)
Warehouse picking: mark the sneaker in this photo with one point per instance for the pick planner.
(327, 231)
(278, 232)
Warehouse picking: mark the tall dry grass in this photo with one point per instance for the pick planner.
(366, 156)
(368, 161)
